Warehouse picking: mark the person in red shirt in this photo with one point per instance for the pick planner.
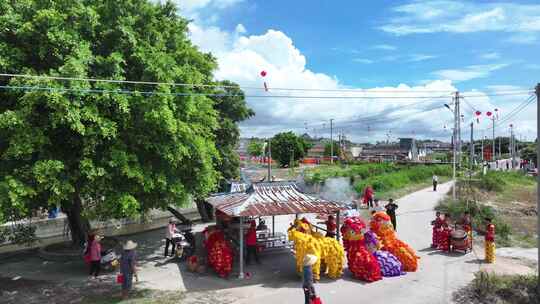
(368, 196)
(331, 226)
(437, 227)
(251, 243)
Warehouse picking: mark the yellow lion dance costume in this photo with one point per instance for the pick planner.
(329, 251)
(380, 224)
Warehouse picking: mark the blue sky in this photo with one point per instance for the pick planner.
(480, 46)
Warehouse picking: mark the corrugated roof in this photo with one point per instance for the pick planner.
(266, 199)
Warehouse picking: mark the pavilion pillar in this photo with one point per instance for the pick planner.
(241, 249)
(338, 233)
(273, 225)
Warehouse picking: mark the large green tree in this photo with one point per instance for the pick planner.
(255, 148)
(287, 146)
(88, 147)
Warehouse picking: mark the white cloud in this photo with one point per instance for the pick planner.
(385, 47)
(421, 57)
(463, 17)
(241, 57)
(492, 55)
(240, 29)
(469, 72)
(363, 60)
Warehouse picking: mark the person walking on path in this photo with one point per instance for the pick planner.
(171, 229)
(435, 180)
(128, 267)
(391, 208)
(368, 196)
(95, 255)
(307, 284)
(251, 243)
(490, 241)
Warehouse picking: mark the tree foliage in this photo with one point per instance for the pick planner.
(88, 147)
(328, 151)
(255, 148)
(286, 146)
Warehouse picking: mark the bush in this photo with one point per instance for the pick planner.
(492, 288)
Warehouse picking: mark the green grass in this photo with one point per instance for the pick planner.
(491, 288)
(387, 179)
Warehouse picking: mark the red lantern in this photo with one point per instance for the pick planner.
(488, 114)
(263, 74)
(478, 113)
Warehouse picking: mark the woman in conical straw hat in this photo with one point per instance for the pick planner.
(307, 285)
(128, 267)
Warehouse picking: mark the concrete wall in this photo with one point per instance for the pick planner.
(51, 231)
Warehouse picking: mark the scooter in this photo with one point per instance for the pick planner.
(184, 242)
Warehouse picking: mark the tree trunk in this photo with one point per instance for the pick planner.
(202, 210)
(78, 225)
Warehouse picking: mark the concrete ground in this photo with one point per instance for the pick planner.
(275, 281)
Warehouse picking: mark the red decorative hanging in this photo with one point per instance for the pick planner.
(263, 74)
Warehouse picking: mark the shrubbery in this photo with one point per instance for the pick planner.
(496, 180)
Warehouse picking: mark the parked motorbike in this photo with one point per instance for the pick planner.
(109, 258)
(184, 242)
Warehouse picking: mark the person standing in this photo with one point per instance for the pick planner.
(437, 226)
(251, 243)
(435, 180)
(171, 229)
(95, 256)
(391, 208)
(331, 226)
(490, 241)
(368, 196)
(128, 267)
(307, 278)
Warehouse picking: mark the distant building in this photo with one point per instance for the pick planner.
(406, 149)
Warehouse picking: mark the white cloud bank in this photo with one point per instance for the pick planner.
(241, 57)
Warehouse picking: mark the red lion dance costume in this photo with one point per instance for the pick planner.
(362, 263)
(380, 224)
(220, 255)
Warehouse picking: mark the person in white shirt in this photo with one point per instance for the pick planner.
(169, 232)
(435, 181)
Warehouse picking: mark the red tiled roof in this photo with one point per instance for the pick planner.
(266, 199)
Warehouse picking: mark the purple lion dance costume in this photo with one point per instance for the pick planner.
(389, 264)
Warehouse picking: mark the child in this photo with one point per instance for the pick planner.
(437, 226)
(307, 285)
(490, 241)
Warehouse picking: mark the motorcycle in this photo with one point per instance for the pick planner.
(109, 259)
(184, 242)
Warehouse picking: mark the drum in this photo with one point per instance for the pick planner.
(458, 234)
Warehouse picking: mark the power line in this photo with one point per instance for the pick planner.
(515, 111)
(192, 85)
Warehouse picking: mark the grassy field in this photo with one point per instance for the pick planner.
(489, 288)
(508, 197)
(387, 179)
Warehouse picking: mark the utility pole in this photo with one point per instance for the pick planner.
(331, 141)
(500, 139)
(493, 153)
(482, 145)
(512, 155)
(458, 118)
(269, 160)
(471, 159)
(455, 140)
(538, 177)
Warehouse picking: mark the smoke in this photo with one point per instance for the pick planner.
(338, 189)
